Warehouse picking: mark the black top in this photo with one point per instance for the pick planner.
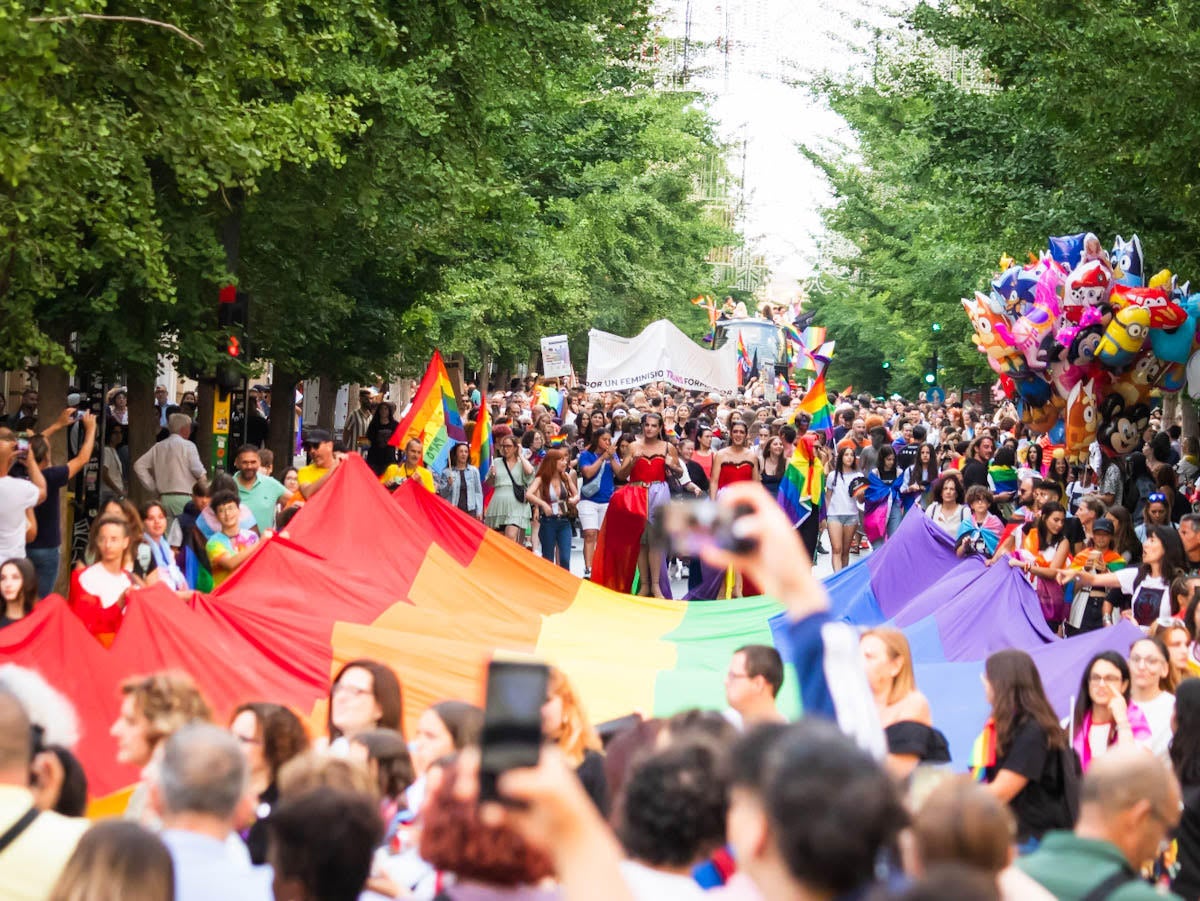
(1186, 883)
(1041, 805)
(49, 533)
(595, 783)
(696, 474)
(771, 482)
(927, 744)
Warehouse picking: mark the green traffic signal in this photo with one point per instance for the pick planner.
(937, 326)
(887, 364)
(930, 378)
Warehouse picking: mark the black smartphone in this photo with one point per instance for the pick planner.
(512, 721)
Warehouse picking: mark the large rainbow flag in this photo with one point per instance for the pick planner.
(433, 417)
(407, 579)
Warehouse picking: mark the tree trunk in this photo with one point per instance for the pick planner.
(281, 428)
(206, 391)
(143, 429)
(484, 371)
(1170, 409)
(1187, 410)
(327, 390)
(52, 382)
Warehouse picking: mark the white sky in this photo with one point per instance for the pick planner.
(759, 93)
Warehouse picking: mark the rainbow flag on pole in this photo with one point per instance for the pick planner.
(481, 442)
(816, 405)
(743, 361)
(432, 417)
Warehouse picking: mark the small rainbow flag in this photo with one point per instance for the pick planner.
(559, 440)
(983, 752)
(433, 417)
(803, 487)
(743, 361)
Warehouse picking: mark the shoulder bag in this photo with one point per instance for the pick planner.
(518, 490)
(592, 486)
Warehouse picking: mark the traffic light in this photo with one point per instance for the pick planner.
(931, 369)
(887, 364)
(937, 326)
(232, 317)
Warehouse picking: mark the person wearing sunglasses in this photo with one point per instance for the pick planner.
(1157, 512)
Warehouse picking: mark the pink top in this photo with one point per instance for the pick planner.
(1137, 722)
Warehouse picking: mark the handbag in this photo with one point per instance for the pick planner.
(592, 486)
(518, 490)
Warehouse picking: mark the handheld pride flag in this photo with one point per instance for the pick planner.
(816, 405)
(803, 487)
(432, 417)
(481, 450)
(743, 361)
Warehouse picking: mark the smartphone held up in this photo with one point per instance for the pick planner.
(512, 722)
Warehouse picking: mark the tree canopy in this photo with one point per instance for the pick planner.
(981, 129)
(377, 177)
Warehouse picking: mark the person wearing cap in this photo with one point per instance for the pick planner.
(1087, 607)
(324, 462)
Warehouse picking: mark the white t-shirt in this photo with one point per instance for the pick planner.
(1158, 715)
(646, 884)
(1152, 599)
(16, 496)
(840, 501)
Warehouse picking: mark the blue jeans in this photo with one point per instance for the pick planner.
(45, 564)
(555, 533)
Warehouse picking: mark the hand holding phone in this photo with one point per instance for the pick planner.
(512, 722)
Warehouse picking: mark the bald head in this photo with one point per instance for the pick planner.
(16, 739)
(1120, 778)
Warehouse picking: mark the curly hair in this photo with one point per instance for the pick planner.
(577, 736)
(283, 735)
(454, 839)
(168, 700)
(672, 811)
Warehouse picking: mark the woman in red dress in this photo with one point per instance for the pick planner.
(622, 549)
(98, 593)
(736, 463)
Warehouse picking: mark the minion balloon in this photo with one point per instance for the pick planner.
(1124, 337)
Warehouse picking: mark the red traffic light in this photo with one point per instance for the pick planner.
(227, 294)
(234, 347)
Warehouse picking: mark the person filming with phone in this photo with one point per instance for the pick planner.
(18, 497)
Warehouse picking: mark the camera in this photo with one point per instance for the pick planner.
(689, 526)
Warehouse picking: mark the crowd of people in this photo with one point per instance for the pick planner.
(737, 803)
(855, 800)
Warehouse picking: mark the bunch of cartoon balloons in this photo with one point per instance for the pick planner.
(1080, 338)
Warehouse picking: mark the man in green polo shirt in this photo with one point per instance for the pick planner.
(1129, 803)
(258, 492)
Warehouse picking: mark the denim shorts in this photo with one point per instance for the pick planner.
(844, 519)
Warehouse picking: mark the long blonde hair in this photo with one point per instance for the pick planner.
(897, 647)
(577, 736)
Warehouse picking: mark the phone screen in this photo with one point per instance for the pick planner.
(512, 721)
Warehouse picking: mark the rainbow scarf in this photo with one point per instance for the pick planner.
(1004, 478)
(983, 752)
